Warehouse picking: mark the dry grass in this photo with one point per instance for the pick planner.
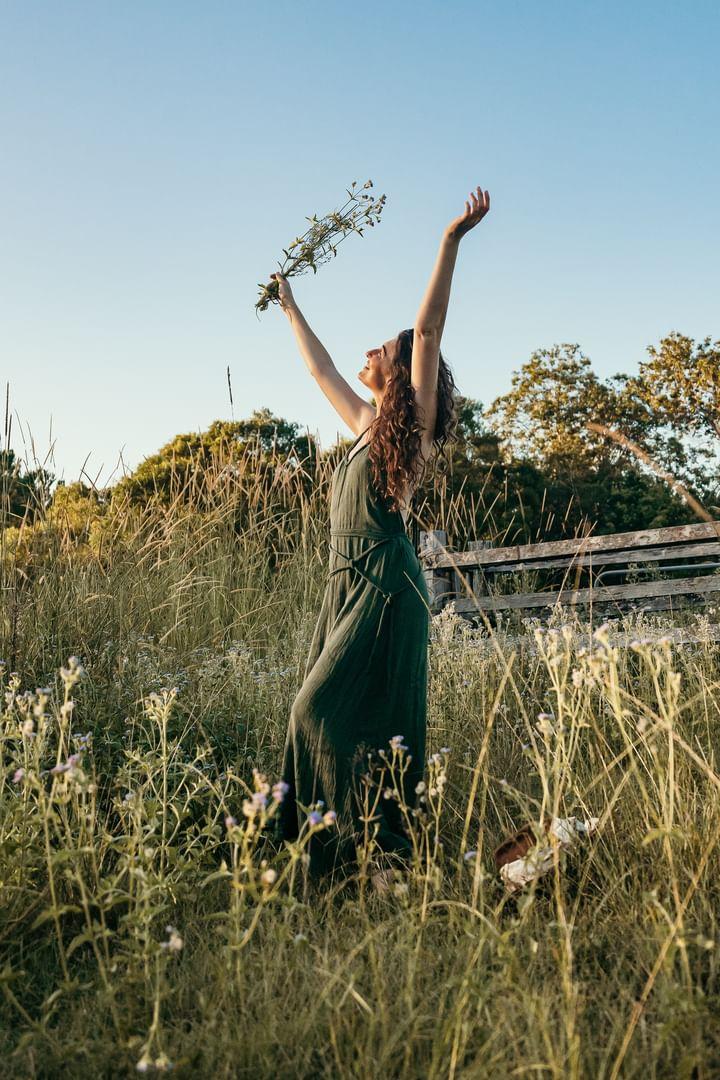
(142, 926)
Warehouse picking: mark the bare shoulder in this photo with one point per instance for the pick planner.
(365, 416)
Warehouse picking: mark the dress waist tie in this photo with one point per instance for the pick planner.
(351, 564)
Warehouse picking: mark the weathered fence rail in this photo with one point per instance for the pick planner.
(474, 578)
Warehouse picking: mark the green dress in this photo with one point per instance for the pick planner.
(365, 679)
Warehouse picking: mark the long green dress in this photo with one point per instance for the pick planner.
(365, 679)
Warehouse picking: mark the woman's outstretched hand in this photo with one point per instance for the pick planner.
(284, 291)
(473, 214)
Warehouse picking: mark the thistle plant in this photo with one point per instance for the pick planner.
(321, 241)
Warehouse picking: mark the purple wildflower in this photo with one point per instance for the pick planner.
(280, 790)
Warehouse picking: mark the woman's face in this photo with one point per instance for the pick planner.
(379, 365)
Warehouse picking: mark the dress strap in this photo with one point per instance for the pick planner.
(352, 445)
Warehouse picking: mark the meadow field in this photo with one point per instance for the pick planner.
(149, 920)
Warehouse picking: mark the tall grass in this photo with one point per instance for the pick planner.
(149, 920)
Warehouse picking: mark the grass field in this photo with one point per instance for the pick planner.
(148, 924)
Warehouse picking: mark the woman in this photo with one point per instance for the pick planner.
(365, 680)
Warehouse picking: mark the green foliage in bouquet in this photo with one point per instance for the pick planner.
(320, 242)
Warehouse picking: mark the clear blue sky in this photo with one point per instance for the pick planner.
(158, 156)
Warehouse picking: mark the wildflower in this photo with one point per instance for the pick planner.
(388, 793)
(261, 784)
(329, 817)
(144, 1063)
(444, 749)
(469, 855)
(128, 796)
(259, 799)
(314, 818)
(27, 728)
(230, 821)
(280, 790)
(420, 787)
(174, 943)
(396, 743)
(73, 672)
(503, 782)
(163, 1062)
(18, 775)
(544, 724)
(268, 877)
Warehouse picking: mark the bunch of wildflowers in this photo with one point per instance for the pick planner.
(320, 242)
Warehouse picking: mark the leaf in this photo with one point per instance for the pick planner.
(654, 834)
(77, 941)
(50, 912)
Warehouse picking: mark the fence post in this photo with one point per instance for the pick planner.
(439, 582)
(478, 580)
(475, 578)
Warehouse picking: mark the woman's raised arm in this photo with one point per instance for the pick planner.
(430, 319)
(354, 410)
(433, 309)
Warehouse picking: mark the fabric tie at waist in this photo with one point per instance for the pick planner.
(384, 538)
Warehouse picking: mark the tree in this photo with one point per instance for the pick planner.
(264, 438)
(23, 495)
(555, 395)
(680, 387)
(543, 417)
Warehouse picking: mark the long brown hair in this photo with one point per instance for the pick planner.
(396, 433)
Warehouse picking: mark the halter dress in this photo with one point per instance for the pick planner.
(365, 680)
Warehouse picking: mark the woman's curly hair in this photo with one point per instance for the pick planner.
(395, 438)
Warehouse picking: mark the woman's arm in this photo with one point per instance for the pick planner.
(430, 319)
(354, 410)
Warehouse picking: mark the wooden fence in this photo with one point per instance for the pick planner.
(478, 579)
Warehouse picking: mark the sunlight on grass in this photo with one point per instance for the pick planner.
(151, 920)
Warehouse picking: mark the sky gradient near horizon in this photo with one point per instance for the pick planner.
(157, 158)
